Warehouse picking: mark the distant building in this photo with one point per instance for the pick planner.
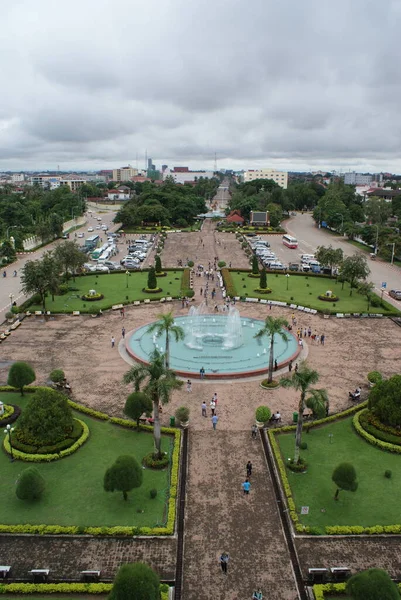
(357, 179)
(259, 218)
(120, 194)
(124, 174)
(280, 177)
(184, 175)
(384, 194)
(17, 177)
(235, 217)
(73, 184)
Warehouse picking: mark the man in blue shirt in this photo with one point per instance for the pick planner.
(246, 486)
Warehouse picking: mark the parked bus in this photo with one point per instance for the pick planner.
(92, 241)
(290, 241)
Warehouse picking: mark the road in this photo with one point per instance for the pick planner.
(222, 197)
(310, 237)
(10, 288)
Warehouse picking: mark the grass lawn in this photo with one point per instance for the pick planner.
(74, 485)
(114, 288)
(376, 500)
(304, 290)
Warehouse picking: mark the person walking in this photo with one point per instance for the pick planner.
(123, 332)
(215, 418)
(215, 398)
(212, 406)
(290, 366)
(257, 595)
(189, 385)
(322, 338)
(248, 468)
(246, 486)
(204, 414)
(254, 431)
(113, 341)
(296, 367)
(202, 373)
(275, 364)
(224, 558)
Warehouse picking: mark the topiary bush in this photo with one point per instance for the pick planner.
(57, 376)
(153, 493)
(263, 414)
(221, 264)
(30, 485)
(46, 420)
(151, 461)
(384, 400)
(152, 281)
(20, 375)
(387, 474)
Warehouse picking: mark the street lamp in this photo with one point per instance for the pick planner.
(377, 238)
(287, 278)
(8, 431)
(11, 296)
(8, 230)
(392, 251)
(126, 277)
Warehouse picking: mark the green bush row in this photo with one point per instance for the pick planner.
(26, 457)
(371, 439)
(366, 424)
(64, 588)
(186, 284)
(228, 282)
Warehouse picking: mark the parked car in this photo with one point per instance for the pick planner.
(81, 234)
(396, 294)
(89, 267)
(90, 229)
(293, 267)
(113, 266)
(102, 267)
(97, 226)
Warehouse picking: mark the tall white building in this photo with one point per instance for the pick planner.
(357, 179)
(17, 177)
(184, 175)
(280, 177)
(124, 174)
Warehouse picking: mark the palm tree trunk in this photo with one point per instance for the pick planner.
(270, 375)
(156, 427)
(167, 350)
(298, 435)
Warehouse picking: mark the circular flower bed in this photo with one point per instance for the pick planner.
(92, 297)
(11, 414)
(152, 462)
(32, 453)
(269, 386)
(297, 467)
(263, 290)
(150, 291)
(328, 298)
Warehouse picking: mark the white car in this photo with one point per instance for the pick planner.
(89, 267)
(97, 226)
(90, 229)
(103, 268)
(81, 235)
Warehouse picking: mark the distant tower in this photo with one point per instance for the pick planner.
(215, 162)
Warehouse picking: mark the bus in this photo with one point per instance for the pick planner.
(290, 241)
(92, 241)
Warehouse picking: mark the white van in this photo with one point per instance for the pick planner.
(306, 258)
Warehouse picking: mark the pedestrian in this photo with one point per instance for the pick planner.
(113, 341)
(296, 367)
(317, 338)
(248, 468)
(202, 373)
(212, 407)
(290, 366)
(204, 414)
(215, 418)
(305, 332)
(257, 595)
(275, 364)
(189, 385)
(254, 431)
(309, 331)
(224, 558)
(215, 398)
(246, 486)
(123, 332)
(322, 338)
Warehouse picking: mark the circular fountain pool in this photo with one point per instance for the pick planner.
(223, 344)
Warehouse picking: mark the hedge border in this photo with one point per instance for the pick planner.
(11, 417)
(64, 588)
(168, 529)
(320, 590)
(371, 439)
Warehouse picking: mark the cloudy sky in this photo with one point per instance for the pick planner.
(291, 84)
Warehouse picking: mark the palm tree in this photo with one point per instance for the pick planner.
(316, 400)
(271, 328)
(158, 382)
(166, 325)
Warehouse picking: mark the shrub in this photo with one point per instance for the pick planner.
(152, 281)
(63, 289)
(344, 476)
(221, 264)
(152, 461)
(387, 474)
(263, 414)
(94, 310)
(30, 485)
(182, 414)
(153, 493)
(372, 584)
(298, 466)
(263, 279)
(57, 376)
(125, 475)
(255, 265)
(136, 404)
(158, 264)
(185, 283)
(20, 375)
(375, 377)
(190, 263)
(303, 446)
(228, 282)
(47, 418)
(384, 399)
(135, 581)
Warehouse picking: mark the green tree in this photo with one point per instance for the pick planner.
(275, 214)
(263, 279)
(159, 383)
(353, 269)
(152, 280)
(125, 475)
(20, 375)
(255, 265)
(30, 485)
(69, 257)
(166, 326)
(51, 267)
(57, 376)
(47, 418)
(158, 263)
(384, 401)
(366, 289)
(55, 224)
(344, 476)
(271, 328)
(135, 581)
(7, 251)
(316, 400)
(329, 257)
(373, 584)
(136, 404)
(34, 280)
(377, 210)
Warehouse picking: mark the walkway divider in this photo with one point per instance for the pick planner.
(180, 517)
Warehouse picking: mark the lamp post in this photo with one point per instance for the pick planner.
(126, 278)
(8, 431)
(392, 251)
(287, 278)
(8, 230)
(377, 238)
(11, 296)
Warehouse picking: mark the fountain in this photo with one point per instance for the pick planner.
(223, 344)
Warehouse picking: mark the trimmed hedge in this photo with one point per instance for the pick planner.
(11, 415)
(64, 588)
(31, 457)
(186, 282)
(228, 282)
(371, 439)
